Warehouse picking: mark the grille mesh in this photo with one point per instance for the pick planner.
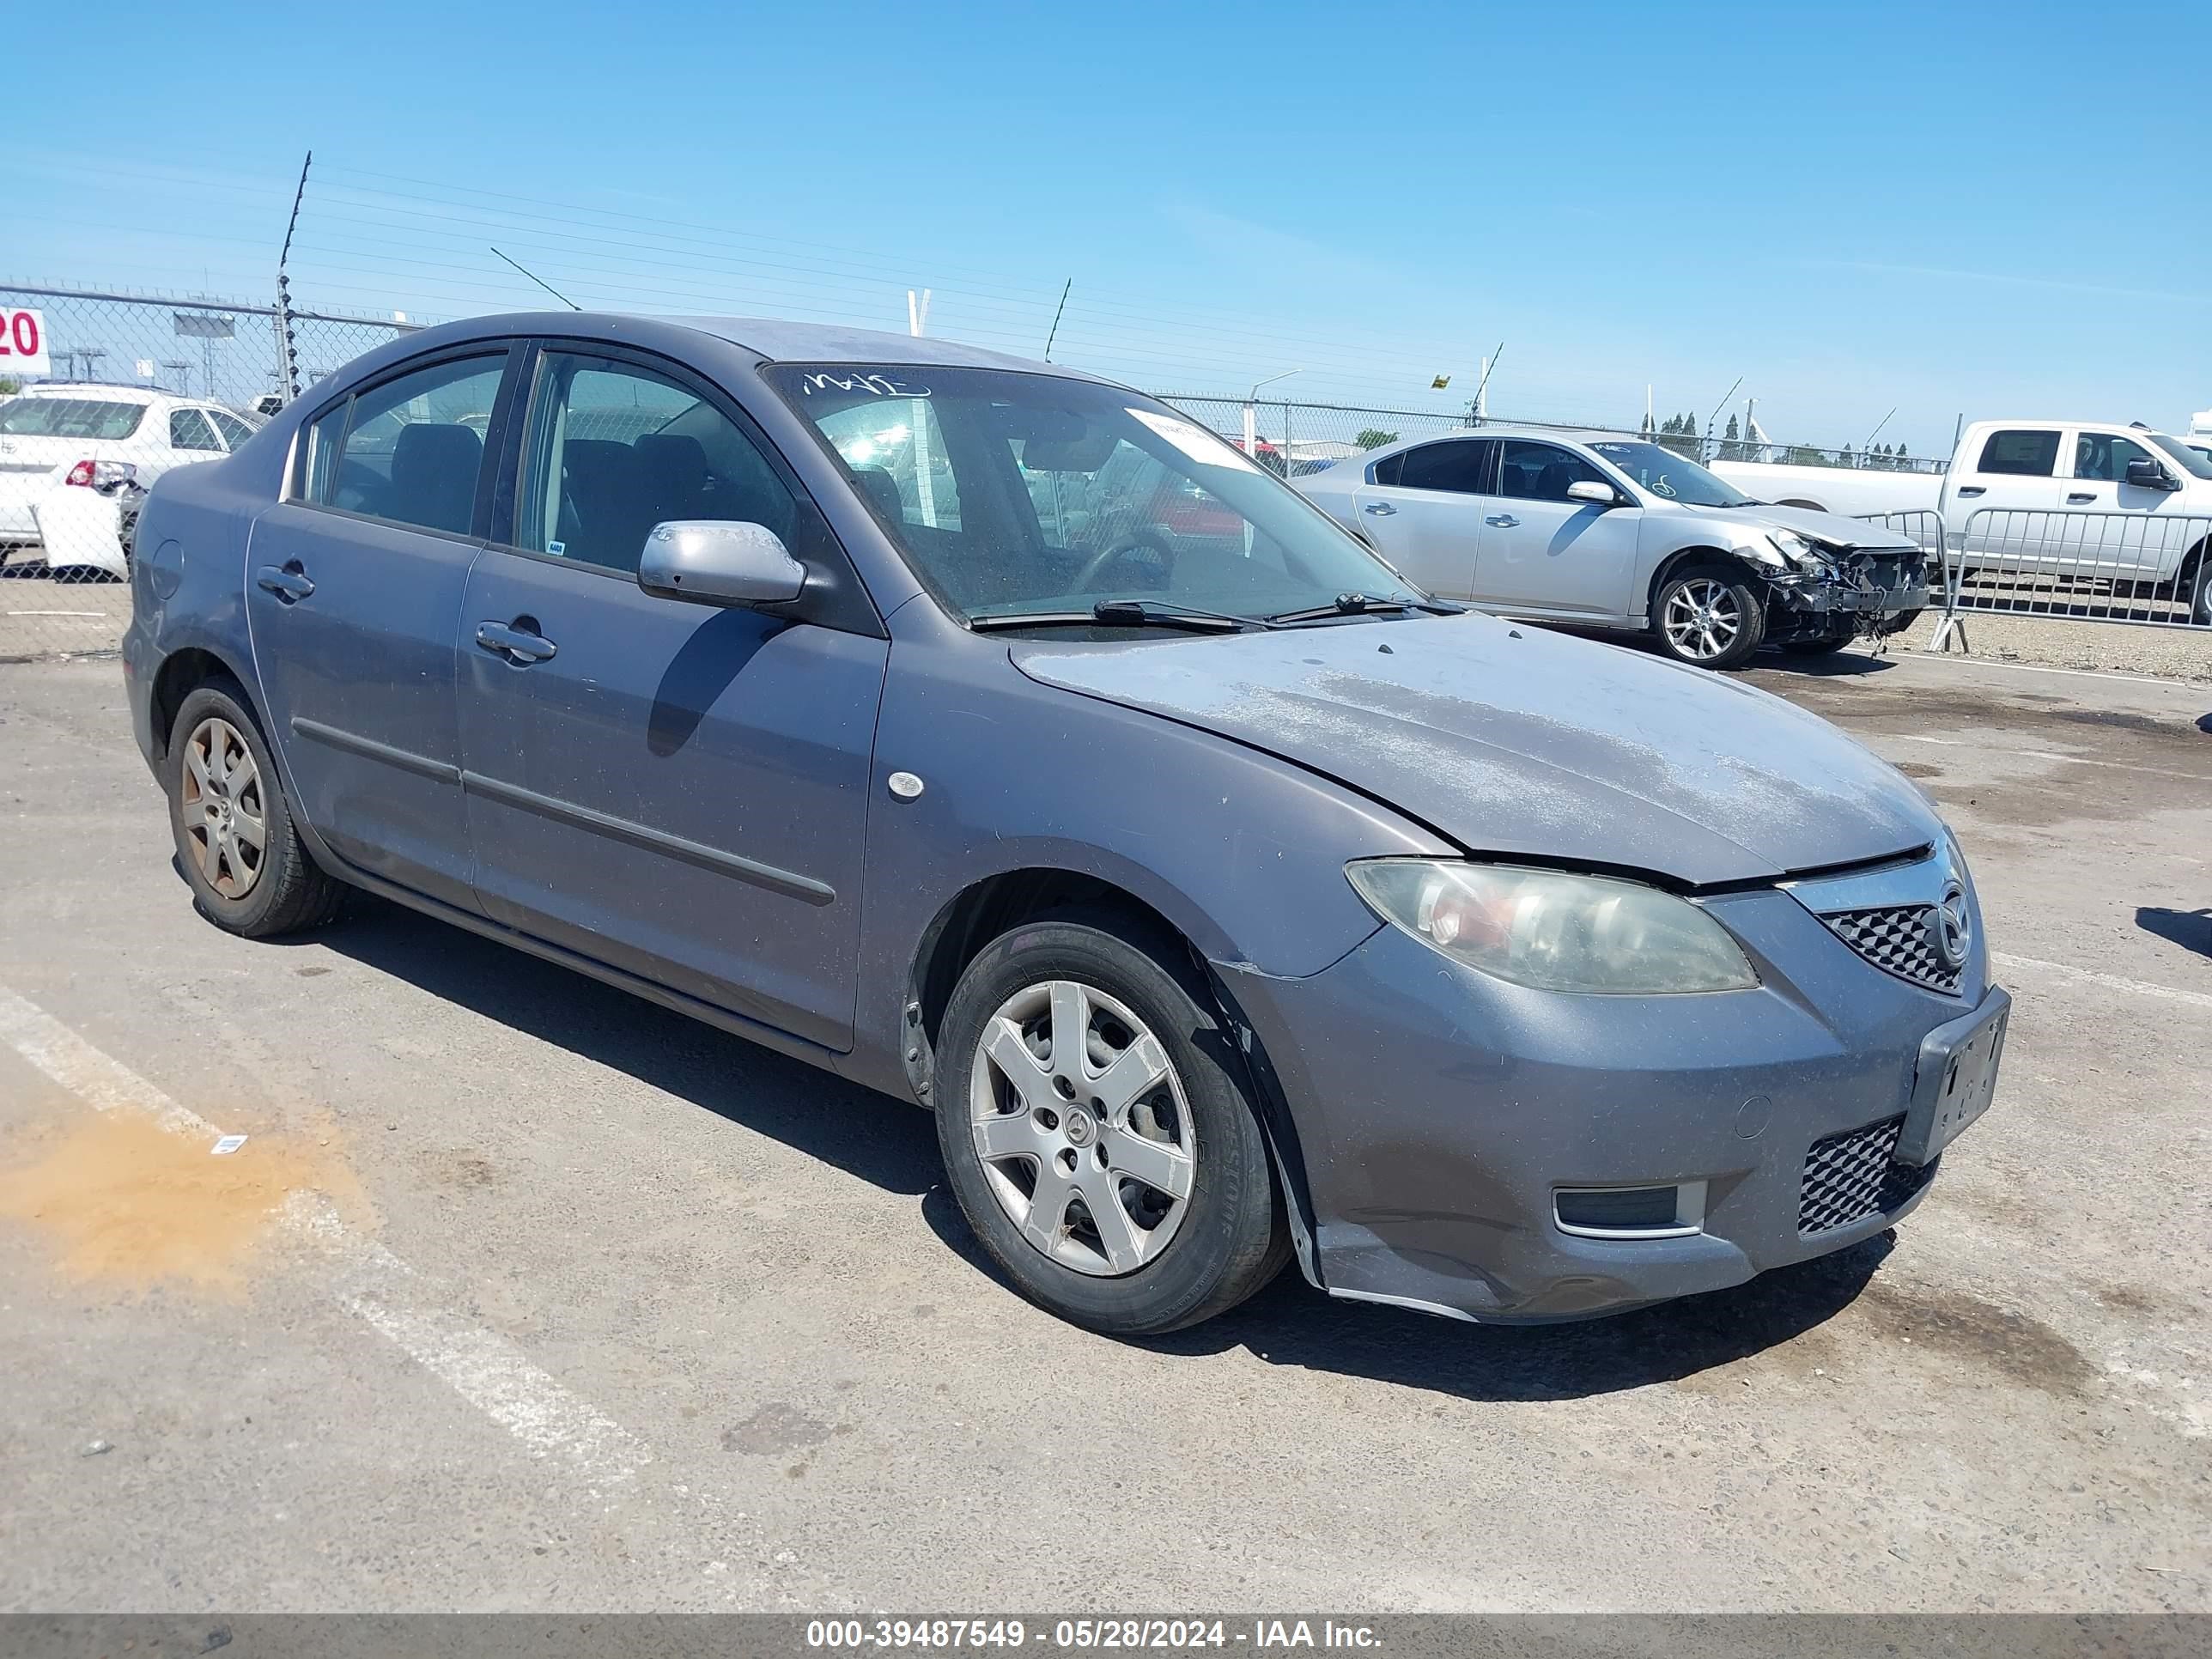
(1897, 940)
(1854, 1175)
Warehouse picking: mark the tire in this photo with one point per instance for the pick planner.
(1200, 1254)
(1729, 596)
(280, 891)
(2199, 588)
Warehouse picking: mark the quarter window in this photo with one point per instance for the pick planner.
(617, 448)
(411, 449)
(1541, 472)
(2105, 456)
(1458, 464)
(2021, 454)
(188, 429)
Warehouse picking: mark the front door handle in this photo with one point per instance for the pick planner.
(2081, 496)
(1971, 489)
(1503, 520)
(520, 644)
(1380, 509)
(288, 582)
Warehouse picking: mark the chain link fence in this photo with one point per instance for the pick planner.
(134, 385)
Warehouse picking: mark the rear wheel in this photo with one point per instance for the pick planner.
(232, 827)
(1097, 1133)
(1709, 615)
(2197, 585)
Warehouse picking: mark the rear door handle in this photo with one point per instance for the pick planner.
(1972, 489)
(520, 644)
(1380, 510)
(2081, 496)
(288, 582)
(1503, 520)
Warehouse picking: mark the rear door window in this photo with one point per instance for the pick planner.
(188, 429)
(1458, 466)
(2023, 454)
(411, 449)
(233, 431)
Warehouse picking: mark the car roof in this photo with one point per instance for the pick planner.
(781, 340)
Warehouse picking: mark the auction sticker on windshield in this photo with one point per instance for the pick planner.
(1194, 442)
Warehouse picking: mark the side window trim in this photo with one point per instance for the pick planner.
(505, 347)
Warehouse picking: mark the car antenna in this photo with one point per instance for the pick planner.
(541, 281)
(1062, 306)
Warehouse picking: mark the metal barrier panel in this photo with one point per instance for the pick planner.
(125, 388)
(2087, 565)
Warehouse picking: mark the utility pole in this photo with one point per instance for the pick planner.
(917, 313)
(1479, 409)
(287, 352)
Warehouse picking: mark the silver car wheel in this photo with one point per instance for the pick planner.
(1082, 1128)
(1703, 619)
(220, 803)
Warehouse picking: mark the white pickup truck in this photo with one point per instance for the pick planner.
(2015, 497)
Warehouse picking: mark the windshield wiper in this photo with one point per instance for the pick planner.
(1360, 605)
(1124, 613)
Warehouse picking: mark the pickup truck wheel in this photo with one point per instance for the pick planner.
(1096, 1134)
(1709, 615)
(2199, 588)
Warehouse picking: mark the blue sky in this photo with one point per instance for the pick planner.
(1985, 208)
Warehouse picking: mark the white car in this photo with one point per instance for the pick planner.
(67, 453)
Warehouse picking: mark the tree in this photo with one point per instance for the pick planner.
(1374, 438)
(1731, 448)
(10, 387)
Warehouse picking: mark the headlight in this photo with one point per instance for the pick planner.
(1802, 553)
(1552, 931)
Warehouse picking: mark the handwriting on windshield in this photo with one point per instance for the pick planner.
(880, 385)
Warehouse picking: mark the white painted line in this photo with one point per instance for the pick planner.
(2110, 981)
(371, 1283)
(2036, 754)
(1921, 655)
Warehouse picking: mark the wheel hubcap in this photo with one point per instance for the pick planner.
(1082, 1128)
(225, 820)
(1703, 619)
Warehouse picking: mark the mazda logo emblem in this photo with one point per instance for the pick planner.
(1950, 929)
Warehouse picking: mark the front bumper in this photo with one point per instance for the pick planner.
(1437, 1112)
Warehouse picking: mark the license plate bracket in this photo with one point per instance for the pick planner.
(1956, 1078)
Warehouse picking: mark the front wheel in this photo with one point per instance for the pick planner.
(1710, 616)
(1097, 1134)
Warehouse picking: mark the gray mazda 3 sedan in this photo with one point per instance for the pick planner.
(991, 736)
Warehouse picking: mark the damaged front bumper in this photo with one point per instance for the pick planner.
(1863, 594)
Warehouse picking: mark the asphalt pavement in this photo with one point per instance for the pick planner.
(526, 1294)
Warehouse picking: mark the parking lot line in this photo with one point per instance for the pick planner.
(371, 1283)
(2047, 755)
(2110, 981)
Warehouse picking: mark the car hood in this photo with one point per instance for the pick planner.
(1833, 528)
(1514, 742)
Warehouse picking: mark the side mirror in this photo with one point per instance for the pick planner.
(1593, 492)
(2147, 474)
(716, 562)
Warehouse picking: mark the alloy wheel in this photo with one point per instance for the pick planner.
(1703, 619)
(225, 817)
(1082, 1128)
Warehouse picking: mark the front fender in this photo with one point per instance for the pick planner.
(1241, 851)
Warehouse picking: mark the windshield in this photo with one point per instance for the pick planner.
(1666, 474)
(1013, 493)
(2193, 461)
(107, 418)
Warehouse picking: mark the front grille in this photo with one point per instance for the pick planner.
(1854, 1174)
(1898, 940)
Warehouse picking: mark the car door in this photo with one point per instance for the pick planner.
(675, 789)
(2140, 544)
(353, 594)
(1419, 509)
(2001, 498)
(1546, 553)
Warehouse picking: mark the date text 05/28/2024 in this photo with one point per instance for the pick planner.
(1086, 1635)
